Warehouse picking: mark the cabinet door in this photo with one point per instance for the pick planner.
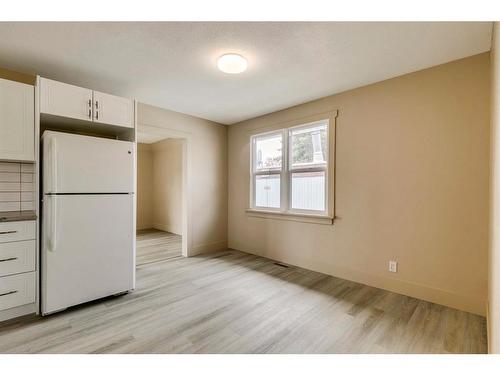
(17, 121)
(113, 110)
(61, 99)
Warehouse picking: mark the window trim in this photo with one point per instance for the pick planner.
(265, 172)
(322, 168)
(286, 212)
(290, 216)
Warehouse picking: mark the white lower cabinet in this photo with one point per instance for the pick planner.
(17, 290)
(17, 231)
(18, 276)
(17, 257)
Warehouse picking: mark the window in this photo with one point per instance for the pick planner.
(267, 170)
(289, 170)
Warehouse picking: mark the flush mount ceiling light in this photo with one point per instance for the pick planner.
(232, 63)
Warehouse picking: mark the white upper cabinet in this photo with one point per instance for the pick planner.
(113, 110)
(61, 99)
(17, 121)
(65, 100)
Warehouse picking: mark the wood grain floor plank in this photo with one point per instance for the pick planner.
(154, 245)
(232, 302)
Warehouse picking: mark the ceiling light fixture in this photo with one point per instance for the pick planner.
(232, 63)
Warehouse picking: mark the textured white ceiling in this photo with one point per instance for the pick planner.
(173, 64)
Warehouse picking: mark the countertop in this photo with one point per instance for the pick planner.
(6, 216)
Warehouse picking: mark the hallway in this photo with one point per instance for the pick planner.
(154, 245)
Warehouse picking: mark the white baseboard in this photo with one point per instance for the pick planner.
(18, 311)
(468, 303)
(208, 247)
(166, 228)
(144, 226)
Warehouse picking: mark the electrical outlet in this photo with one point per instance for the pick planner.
(393, 266)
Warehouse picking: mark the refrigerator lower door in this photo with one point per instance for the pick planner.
(88, 248)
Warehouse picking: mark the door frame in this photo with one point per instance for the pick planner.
(186, 137)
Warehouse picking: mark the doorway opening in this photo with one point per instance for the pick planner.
(161, 182)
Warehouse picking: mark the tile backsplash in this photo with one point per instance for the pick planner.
(17, 186)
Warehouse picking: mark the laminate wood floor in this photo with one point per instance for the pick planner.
(155, 245)
(232, 302)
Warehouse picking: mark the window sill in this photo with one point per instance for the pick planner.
(304, 218)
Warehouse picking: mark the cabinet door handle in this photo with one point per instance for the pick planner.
(8, 259)
(97, 109)
(6, 294)
(9, 232)
(90, 108)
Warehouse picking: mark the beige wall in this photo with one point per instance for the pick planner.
(159, 185)
(494, 259)
(412, 176)
(167, 185)
(144, 186)
(30, 79)
(206, 170)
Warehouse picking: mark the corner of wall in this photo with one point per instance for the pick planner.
(490, 303)
(11, 75)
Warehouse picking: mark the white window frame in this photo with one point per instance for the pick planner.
(313, 168)
(285, 172)
(263, 172)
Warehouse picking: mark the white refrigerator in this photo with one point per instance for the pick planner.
(88, 219)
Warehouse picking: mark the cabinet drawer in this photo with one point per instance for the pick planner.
(17, 290)
(17, 257)
(17, 231)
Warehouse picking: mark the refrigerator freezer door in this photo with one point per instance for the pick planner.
(88, 248)
(81, 164)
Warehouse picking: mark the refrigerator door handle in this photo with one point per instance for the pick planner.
(53, 223)
(53, 155)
